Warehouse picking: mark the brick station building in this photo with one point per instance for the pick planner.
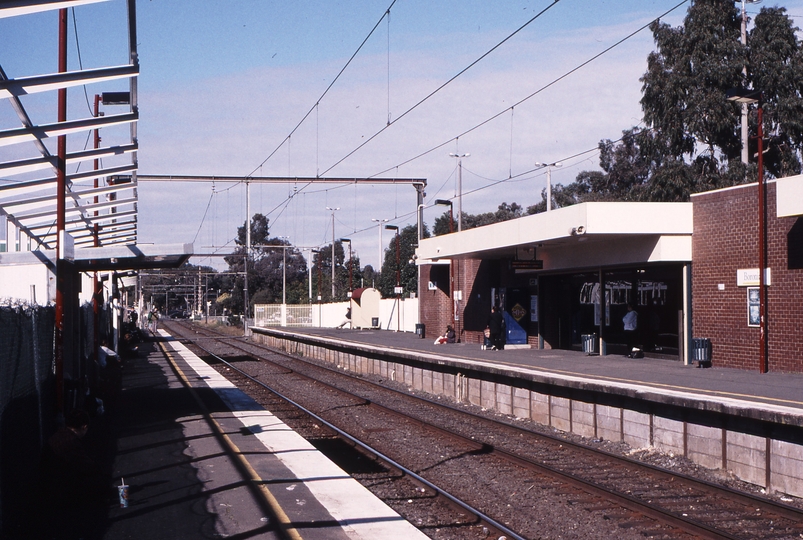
(565, 277)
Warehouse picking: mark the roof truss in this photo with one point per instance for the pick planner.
(103, 211)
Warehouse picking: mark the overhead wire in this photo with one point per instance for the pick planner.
(317, 102)
(442, 86)
(80, 61)
(521, 175)
(203, 218)
(528, 97)
(81, 67)
(431, 94)
(511, 177)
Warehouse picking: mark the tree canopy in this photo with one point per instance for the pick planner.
(691, 140)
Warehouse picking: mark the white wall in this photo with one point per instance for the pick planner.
(393, 315)
(16, 281)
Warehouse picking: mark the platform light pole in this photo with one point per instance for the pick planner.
(333, 210)
(379, 222)
(444, 202)
(548, 180)
(320, 278)
(398, 288)
(745, 154)
(309, 271)
(284, 267)
(106, 98)
(61, 220)
(351, 283)
(746, 96)
(247, 252)
(459, 158)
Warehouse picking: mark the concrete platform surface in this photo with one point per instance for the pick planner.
(203, 460)
(773, 391)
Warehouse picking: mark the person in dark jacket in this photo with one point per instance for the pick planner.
(347, 320)
(447, 337)
(496, 323)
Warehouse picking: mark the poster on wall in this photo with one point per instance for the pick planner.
(534, 308)
(753, 307)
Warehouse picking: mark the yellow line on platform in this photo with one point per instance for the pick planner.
(283, 521)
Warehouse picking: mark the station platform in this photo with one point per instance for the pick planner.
(203, 460)
(766, 394)
(746, 424)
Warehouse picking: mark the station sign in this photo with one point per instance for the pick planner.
(527, 265)
(749, 277)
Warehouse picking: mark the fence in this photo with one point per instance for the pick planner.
(401, 315)
(27, 403)
(28, 393)
(283, 315)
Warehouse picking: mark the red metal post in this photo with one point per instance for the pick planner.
(762, 245)
(61, 199)
(398, 281)
(96, 231)
(351, 265)
(451, 276)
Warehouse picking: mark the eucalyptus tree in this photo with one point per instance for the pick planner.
(691, 140)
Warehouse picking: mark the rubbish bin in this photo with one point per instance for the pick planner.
(701, 351)
(374, 322)
(589, 343)
(420, 329)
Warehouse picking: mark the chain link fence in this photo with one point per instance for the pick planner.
(27, 402)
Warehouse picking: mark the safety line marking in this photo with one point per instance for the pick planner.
(283, 521)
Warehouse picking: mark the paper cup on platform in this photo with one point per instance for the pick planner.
(122, 492)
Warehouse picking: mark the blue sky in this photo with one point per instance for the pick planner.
(223, 84)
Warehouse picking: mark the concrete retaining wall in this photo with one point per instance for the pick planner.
(765, 453)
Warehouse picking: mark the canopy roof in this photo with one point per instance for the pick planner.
(585, 235)
(101, 200)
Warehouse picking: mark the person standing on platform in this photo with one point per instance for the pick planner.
(153, 320)
(347, 320)
(630, 321)
(496, 323)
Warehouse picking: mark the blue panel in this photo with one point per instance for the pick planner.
(516, 335)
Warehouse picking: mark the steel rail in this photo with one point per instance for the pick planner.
(626, 501)
(440, 491)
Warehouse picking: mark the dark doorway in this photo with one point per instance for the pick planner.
(572, 306)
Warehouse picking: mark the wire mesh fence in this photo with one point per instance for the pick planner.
(27, 401)
(279, 315)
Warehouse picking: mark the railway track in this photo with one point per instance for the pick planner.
(638, 497)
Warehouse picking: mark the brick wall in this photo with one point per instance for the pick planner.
(434, 304)
(726, 239)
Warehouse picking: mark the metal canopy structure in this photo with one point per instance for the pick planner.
(101, 205)
(420, 183)
(111, 258)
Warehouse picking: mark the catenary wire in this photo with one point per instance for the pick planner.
(528, 97)
(497, 115)
(442, 86)
(318, 101)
